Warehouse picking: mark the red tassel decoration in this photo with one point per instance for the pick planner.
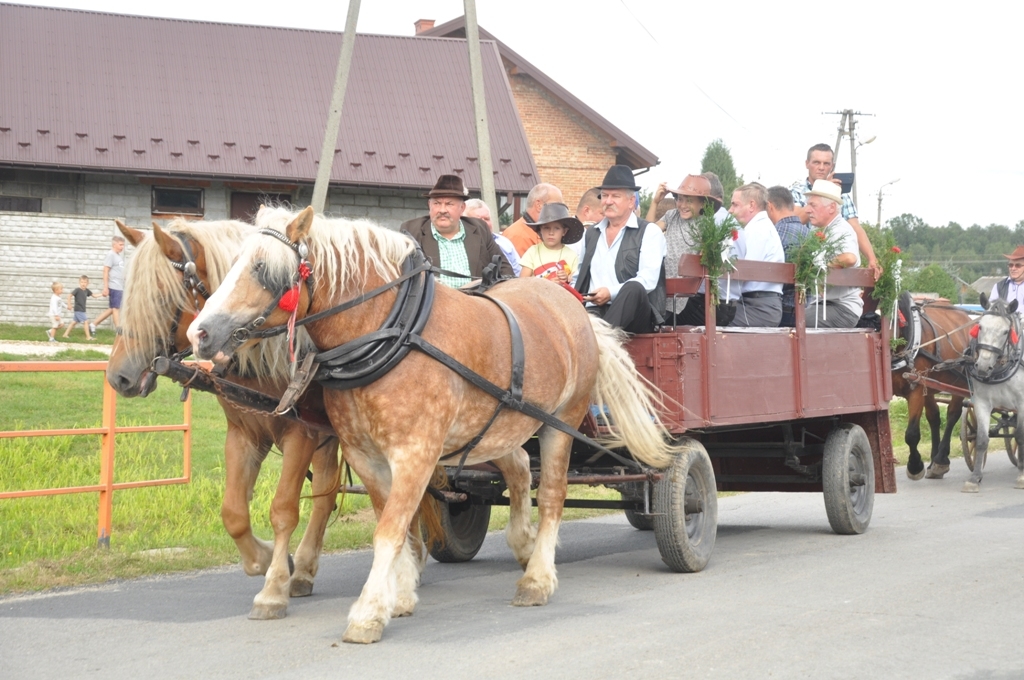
(1013, 336)
(974, 331)
(290, 300)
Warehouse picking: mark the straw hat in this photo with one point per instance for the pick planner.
(826, 189)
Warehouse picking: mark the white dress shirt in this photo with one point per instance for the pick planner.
(764, 245)
(652, 258)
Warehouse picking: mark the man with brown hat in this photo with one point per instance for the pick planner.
(838, 306)
(622, 276)
(463, 245)
(519, 232)
(1012, 287)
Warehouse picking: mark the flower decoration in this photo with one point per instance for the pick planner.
(811, 256)
(716, 244)
(890, 284)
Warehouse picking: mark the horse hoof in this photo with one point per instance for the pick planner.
(970, 487)
(403, 608)
(364, 633)
(1020, 483)
(260, 612)
(529, 597)
(936, 471)
(300, 587)
(915, 475)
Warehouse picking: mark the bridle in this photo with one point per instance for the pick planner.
(1008, 356)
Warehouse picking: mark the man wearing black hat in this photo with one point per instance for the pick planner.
(622, 277)
(452, 242)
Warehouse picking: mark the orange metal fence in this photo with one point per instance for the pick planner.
(108, 429)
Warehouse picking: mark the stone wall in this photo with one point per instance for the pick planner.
(37, 249)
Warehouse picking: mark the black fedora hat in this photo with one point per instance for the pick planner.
(619, 177)
(559, 212)
(448, 185)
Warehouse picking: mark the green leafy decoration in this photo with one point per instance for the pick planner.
(816, 248)
(708, 238)
(890, 283)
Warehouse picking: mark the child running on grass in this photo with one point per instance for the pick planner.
(81, 295)
(57, 308)
(552, 258)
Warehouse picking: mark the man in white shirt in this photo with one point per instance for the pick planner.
(1012, 287)
(622, 276)
(760, 303)
(839, 306)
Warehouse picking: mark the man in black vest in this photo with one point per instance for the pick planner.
(1012, 287)
(622, 277)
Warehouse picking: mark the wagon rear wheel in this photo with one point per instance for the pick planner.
(968, 434)
(686, 509)
(1007, 430)
(465, 528)
(848, 479)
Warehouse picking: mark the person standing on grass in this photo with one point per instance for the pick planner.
(56, 310)
(80, 296)
(113, 283)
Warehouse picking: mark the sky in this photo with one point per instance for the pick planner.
(939, 83)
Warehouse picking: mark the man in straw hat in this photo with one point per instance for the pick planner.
(622, 276)
(1012, 287)
(463, 245)
(820, 164)
(836, 306)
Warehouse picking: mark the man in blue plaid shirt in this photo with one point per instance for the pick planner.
(820, 165)
(782, 214)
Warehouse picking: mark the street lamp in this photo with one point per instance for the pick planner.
(879, 224)
(853, 161)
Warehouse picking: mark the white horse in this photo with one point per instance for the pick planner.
(996, 380)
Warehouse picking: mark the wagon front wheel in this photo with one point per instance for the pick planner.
(686, 509)
(968, 435)
(848, 479)
(465, 528)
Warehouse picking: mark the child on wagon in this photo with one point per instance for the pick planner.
(552, 258)
(80, 295)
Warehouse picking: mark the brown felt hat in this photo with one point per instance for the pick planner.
(559, 212)
(448, 186)
(699, 186)
(1017, 254)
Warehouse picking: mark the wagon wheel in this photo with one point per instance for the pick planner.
(848, 479)
(1006, 428)
(968, 434)
(465, 527)
(633, 491)
(686, 509)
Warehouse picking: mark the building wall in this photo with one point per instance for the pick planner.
(570, 152)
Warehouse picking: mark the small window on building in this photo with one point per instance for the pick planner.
(177, 201)
(245, 205)
(20, 204)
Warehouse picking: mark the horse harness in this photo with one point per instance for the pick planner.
(370, 357)
(1009, 355)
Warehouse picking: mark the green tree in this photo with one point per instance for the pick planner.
(718, 159)
(646, 195)
(933, 279)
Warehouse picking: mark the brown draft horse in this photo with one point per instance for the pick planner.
(395, 430)
(951, 326)
(158, 307)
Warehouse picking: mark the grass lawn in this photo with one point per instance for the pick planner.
(51, 541)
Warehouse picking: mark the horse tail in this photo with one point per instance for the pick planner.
(630, 399)
(430, 512)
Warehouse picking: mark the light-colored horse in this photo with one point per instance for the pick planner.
(158, 308)
(395, 430)
(998, 353)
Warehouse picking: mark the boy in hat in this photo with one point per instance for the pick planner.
(463, 245)
(552, 258)
(1012, 287)
(622, 274)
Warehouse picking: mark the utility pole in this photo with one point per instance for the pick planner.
(348, 44)
(879, 223)
(847, 127)
(483, 136)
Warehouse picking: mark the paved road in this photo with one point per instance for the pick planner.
(932, 590)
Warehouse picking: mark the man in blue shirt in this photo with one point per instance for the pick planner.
(791, 230)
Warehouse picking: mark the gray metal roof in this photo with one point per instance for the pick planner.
(113, 93)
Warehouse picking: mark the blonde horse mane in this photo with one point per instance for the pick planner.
(154, 294)
(343, 251)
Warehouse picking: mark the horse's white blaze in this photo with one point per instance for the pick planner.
(214, 304)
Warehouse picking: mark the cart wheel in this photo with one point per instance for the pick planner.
(633, 491)
(1006, 431)
(848, 479)
(968, 435)
(465, 528)
(639, 520)
(686, 509)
